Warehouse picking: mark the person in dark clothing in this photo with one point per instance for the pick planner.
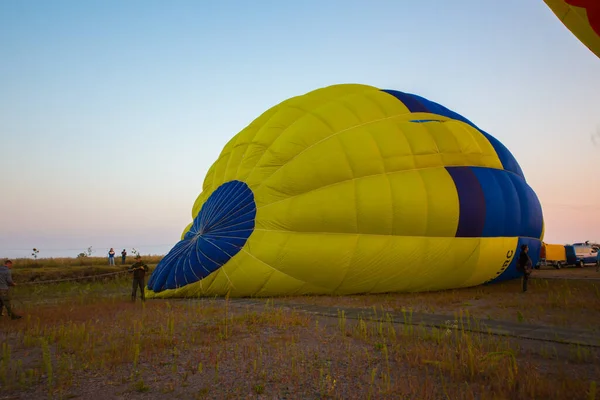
(139, 269)
(6, 282)
(525, 265)
(123, 256)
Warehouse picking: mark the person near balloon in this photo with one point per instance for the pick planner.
(6, 281)
(111, 256)
(138, 269)
(525, 265)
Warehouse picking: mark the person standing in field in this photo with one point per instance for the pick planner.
(524, 265)
(123, 256)
(111, 256)
(139, 269)
(5, 282)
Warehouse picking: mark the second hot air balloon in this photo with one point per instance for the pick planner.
(582, 18)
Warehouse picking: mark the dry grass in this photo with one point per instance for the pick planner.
(86, 340)
(549, 302)
(29, 270)
(27, 263)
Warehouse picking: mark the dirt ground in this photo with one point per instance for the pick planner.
(588, 272)
(88, 342)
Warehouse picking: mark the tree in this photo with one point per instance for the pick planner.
(86, 253)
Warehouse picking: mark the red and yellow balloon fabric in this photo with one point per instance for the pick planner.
(582, 18)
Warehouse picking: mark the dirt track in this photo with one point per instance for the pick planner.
(588, 272)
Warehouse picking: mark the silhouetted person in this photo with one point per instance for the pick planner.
(525, 265)
(123, 256)
(139, 269)
(5, 282)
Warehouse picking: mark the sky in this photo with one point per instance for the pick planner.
(111, 112)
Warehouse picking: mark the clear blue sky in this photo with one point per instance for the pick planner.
(112, 111)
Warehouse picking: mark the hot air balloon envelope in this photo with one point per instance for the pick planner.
(582, 18)
(353, 189)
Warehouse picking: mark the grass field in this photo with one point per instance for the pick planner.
(554, 302)
(86, 340)
(44, 269)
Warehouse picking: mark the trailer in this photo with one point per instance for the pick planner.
(554, 255)
(576, 254)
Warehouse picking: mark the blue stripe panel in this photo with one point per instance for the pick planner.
(420, 104)
(219, 232)
(501, 203)
(530, 209)
(535, 246)
(410, 101)
(472, 207)
(509, 162)
(503, 216)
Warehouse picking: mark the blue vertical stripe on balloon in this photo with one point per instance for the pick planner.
(531, 209)
(511, 207)
(503, 209)
(472, 210)
(512, 204)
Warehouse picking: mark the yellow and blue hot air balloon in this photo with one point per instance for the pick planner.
(352, 189)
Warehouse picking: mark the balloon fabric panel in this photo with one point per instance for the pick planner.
(582, 18)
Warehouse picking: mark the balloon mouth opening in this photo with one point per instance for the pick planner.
(219, 231)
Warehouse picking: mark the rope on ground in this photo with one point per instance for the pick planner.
(71, 279)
